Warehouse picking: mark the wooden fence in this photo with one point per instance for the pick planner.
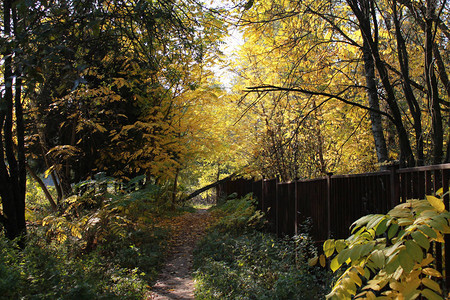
(333, 203)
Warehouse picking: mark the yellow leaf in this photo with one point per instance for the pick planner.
(437, 203)
(431, 272)
(322, 260)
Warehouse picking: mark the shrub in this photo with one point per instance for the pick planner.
(388, 255)
(239, 214)
(98, 246)
(236, 261)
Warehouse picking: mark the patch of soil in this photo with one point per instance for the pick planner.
(175, 280)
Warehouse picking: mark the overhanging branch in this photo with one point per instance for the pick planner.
(273, 88)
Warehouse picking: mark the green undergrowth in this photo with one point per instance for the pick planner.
(101, 245)
(238, 260)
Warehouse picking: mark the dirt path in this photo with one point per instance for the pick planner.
(175, 280)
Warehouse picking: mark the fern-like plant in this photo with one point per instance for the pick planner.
(388, 256)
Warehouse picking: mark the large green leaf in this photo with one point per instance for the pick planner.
(431, 284)
(392, 230)
(430, 295)
(421, 239)
(343, 256)
(377, 257)
(414, 250)
(381, 227)
(360, 222)
(375, 220)
(340, 245)
(406, 261)
(428, 231)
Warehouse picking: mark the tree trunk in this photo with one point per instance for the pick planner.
(174, 189)
(364, 10)
(377, 125)
(209, 186)
(433, 94)
(407, 89)
(12, 169)
(43, 187)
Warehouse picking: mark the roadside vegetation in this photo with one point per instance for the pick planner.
(238, 259)
(102, 245)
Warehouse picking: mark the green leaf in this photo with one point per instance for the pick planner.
(392, 230)
(431, 284)
(421, 239)
(355, 252)
(414, 251)
(406, 262)
(405, 221)
(430, 295)
(392, 265)
(437, 223)
(367, 248)
(381, 227)
(428, 231)
(437, 203)
(328, 247)
(343, 256)
(390, 250)
(377, 257)
(361, 221)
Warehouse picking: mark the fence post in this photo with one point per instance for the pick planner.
(295, 208)
(329, 203)
(394, 183)
(445, 188)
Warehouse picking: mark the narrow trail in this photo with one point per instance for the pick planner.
(175, 280)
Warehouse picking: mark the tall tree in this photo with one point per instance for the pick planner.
(12, 150)
(373, 48)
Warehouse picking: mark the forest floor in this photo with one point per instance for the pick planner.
(175, 280)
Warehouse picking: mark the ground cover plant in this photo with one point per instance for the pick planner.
(238, 260)
(101, 245)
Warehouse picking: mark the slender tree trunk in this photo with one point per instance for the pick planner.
(377, 125)
(407, 89)
(365, 12)
(43, 187)
(174, 189)
(433, 94)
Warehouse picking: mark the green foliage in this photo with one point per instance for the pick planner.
(239, 214)
(41, 272)
(243, 263)
(389, 255)
(100, 245)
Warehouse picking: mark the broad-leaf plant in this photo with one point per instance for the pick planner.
(390, 256)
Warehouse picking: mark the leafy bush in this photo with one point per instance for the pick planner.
(239, 214)
(388, 255)
(236, 261)
(98, 246)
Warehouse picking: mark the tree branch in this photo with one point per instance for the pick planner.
(209, 186)
(272, 88)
